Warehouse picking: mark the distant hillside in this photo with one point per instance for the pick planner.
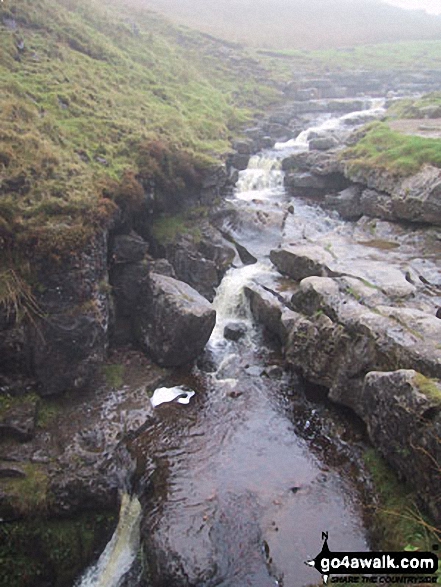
(308, 24)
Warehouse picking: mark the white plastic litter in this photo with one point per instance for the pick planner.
(168, 394)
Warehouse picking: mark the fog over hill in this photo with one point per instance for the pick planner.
(309, 24)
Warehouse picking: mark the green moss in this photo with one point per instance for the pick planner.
(429, 387)
(48, 412)
(114, 375)
(166, 229)
(397, 521)
(29, 495)
(8, 402)
(40, 551)
(385, 150)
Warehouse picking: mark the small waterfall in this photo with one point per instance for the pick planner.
(230, 302)
(335, 126)
(119, 554)
(263, 173)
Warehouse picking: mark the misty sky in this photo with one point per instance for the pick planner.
(431, 6)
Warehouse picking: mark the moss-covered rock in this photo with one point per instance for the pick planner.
(51, 552)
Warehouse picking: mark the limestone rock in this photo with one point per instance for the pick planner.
(347, 203)
(415, 198)
(174, 322)
(129, 248)
(235, 331)
(402, 410)
(300, 261)
(19, 420)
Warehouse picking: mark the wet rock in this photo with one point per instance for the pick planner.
(320, 163)
(266, 309)
(235, 331)
(317, 294)
(303, 181)
(300, 261)
(129, 248)
(235, 394)
(415, 198)
(200, 261)
(245, 256)
(9, 471)
(314, 173)
(238, 161)
(254, 371)
(68, 344)
(384, 338)
(243, 147)
(68, 350)
(174, 322)
(402, 410)
(19, 420)
(163, 267)
(195, 269)
(323, 143)
(347, 203)
(274, 372)
(377, 204)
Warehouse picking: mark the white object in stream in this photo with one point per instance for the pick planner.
(168, 394)
(119, 554)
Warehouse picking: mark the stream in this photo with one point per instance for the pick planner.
(247, 477)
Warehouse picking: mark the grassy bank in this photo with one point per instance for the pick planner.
(85, 89)
(383, 149)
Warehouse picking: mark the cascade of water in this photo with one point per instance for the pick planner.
(230, 302)
(263, 173)
(120, 552)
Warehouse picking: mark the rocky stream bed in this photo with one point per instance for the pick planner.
(327, 296)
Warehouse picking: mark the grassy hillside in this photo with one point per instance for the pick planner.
(403, 55)
(90, 97)
(384, 148)
(301, 24)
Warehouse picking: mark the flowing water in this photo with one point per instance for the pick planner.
(119, 554)
(246, 478)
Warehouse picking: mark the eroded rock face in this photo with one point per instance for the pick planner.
(402, 411)
(174, 321)
(415, 198)
(199, 262)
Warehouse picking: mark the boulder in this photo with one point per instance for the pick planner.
(235, 331)
(402, 410)
(18, 421)
(173, 322)
(415, 198)
(300, 261)
(347, 203)
(313, 173)
(323, 143)
(68, 350)
(200, 259)
(129, 248)
(376, 204)
(239, 161)
(269, 311)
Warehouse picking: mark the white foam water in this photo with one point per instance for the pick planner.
(119, 554)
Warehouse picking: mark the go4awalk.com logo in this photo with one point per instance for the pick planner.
(376, 567)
